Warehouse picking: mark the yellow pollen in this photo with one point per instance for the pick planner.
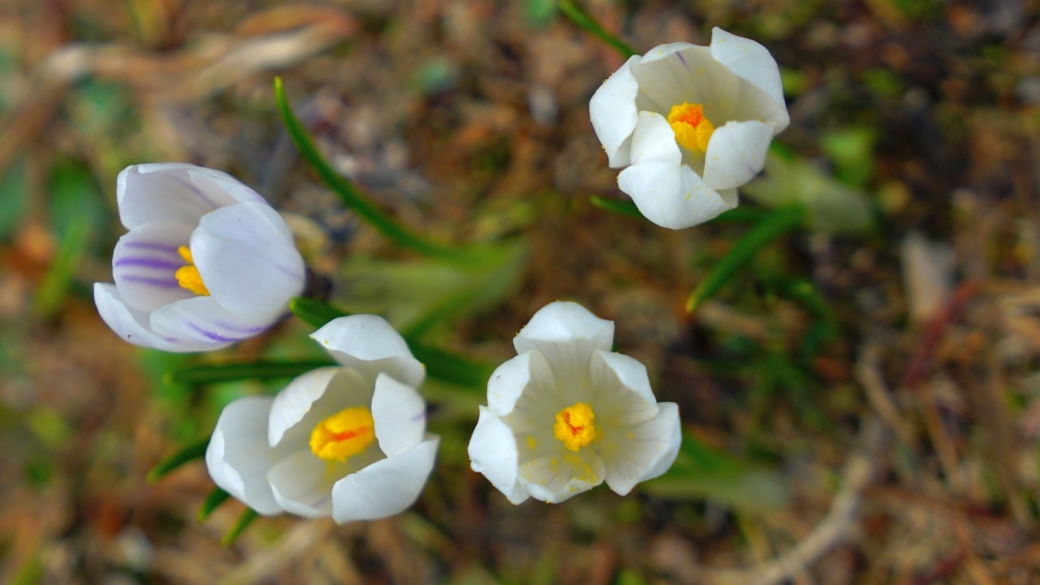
(188, 276)
(574, 426)
(346, 433)
(692, 129)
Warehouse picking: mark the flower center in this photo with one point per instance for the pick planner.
(188, 276)
(346, 433)
(692, 129)
(574, 426)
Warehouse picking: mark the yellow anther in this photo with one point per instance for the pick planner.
(692, 129)
(346, 433)
(574, 426)
(188, 276)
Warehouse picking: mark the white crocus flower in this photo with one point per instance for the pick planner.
(567, 414)
(691, 124)
(348, 442)
(207, 262)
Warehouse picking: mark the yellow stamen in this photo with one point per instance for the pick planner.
(574, 426)
(346, 433)
(692, 129)
(188, 276)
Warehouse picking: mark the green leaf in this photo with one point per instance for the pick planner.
(243, 522)
(188, 453)
(417, 294)
(625, 208)
(743, 251)
(831, 207)
(313, 312)
(212, 502)
(260, 370)
(700, 472)
(585, 22)
(353, 198)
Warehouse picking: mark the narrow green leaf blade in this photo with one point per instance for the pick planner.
(585, 22)
(212, 502)
(761, 235)
(314, 313)
(260, 370)
(239, 527)
(188, 453)
(625, 208)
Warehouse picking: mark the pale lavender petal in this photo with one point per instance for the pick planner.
(144, 263)
(247, 260)
(202, 320)
(165, 192)
(132, 325)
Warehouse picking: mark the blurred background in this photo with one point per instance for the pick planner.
(862, 406)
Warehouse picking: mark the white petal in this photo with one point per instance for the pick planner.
(399, 413)
(132, 325)
(681, 72)
(621, 390)
(736, 153)
(555, 478)
(642, 451)
(347, 388)
(370, 344)
(493, 452)
(144, 264)
(563, 321)
(238, 456)
(201, 320)
(165, 192)
(302, 483)
(666, 192)
(386, 487)
(751, 61)
(214, 181)
(527, 372)
(247, 261)
(613, 113)
(295, 401)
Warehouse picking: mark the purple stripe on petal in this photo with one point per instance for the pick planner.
(418, 417)
(149, 263)
(212, 335)
(240, 329)
(160, 282)
(195, 189)
(679, 55)
(152, 246)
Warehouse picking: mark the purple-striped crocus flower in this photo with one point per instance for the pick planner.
(348, 442)
(206, 263)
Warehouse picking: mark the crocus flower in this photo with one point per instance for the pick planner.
(691, 124)
(347, 442)
(207, 262)
(567, 414)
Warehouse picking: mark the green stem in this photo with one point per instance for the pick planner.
(761, 235)
(351, 196)
(585, 22)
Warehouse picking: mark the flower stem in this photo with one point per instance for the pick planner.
(740, 255)
(351, 196)
(585, 22)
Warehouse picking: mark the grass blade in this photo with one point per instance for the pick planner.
(239, 527)
(761, 235)
(262, 370)
(585, 22)
(212, 502)
(188, 453)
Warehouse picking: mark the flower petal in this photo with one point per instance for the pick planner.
(642, 451)
(736, 153)
(132, 325)
(385, 487)
(293, 403)
(613, 113)
(400, 415)
(370, 344)
(555, 478)
(165, 192)
(493, 452)
(145, 261)
(238, 456)
(201, 320)
(621, 390)
(302, 483)
(564, 321)
(667, 193)
(247, 261)
(680, 72)
(751, 61)
(527, 372)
